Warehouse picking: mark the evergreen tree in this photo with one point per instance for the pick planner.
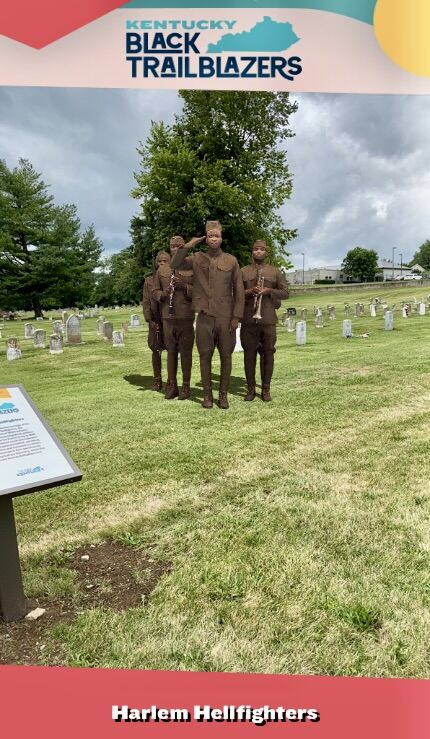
(45, 260)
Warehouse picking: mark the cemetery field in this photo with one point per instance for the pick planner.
(291, 537)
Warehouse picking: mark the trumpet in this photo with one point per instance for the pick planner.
(258, 298)
(171, 294)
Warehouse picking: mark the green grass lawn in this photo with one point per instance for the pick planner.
(297, 531)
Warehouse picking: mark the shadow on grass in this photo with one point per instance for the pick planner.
(237, 385)
(143, 382)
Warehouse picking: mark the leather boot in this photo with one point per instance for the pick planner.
(208, 400)
(185, 392)
(265, 393)
(156, 384)
(250, 395)
(171, 391)
(222, 401)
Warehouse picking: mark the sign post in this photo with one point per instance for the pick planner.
(31, 458)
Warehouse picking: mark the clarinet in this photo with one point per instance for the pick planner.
(171, 294)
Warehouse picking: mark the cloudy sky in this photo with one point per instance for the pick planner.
(361, 163)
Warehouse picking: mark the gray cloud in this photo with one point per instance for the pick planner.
(361, 167)
(361, 163)
(84, 144)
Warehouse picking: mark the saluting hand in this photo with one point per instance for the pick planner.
(194, 241)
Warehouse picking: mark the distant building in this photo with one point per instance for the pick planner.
(309, 276)
(335, 273)
(386, 270)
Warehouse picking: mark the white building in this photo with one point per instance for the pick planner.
(386, 271)
(309, 276)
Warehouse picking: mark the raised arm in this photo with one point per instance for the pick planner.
(182, 253)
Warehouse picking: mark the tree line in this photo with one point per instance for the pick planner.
(223, 158)
(362, 264)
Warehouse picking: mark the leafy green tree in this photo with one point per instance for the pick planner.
(361, 264)
(422, 256)
(224, 158)
(45, 259)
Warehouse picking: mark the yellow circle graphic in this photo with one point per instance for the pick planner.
(402, 28)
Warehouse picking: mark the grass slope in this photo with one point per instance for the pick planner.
(298, 531)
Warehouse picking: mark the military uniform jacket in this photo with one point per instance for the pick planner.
(217, 283)
(277, 283)
(150, 306)
(182, 307)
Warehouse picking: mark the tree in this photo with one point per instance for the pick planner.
(45, 260)
(361, 264)
(121, 276)
(223, 158)
(422, 256)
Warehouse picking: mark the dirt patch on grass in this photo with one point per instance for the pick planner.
(108, 575)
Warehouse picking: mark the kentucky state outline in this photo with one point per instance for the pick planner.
(266, 35)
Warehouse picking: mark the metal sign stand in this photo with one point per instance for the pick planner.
(12, 598)
(53, 467)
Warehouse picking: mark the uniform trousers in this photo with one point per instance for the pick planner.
(261, 338)
(178, 336)
(211, 332)
(156, 346)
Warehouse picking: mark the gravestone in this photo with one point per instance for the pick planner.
(389, 320)
(64, 317)
(331, 310)
(107, 331)
(347, 309)
(422, 309)
(57, 328)
(372, 307)
(290, 324)
(238, 346)
(100, 322)
(319, 320)
(405, 312)
(13, 350)
(134, 321)
(39, 318)
(347, 328)
(28, 331)
(304, 314)
(55, 344)
(301, 333)
(73, 330)
(357, 310)
(118, 338)
(39, 338)
(124, 327)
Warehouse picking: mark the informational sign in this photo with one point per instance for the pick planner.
(31, 456)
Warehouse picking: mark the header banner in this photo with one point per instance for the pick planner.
(359, 46)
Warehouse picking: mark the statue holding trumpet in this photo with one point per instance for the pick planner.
(265, 288)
